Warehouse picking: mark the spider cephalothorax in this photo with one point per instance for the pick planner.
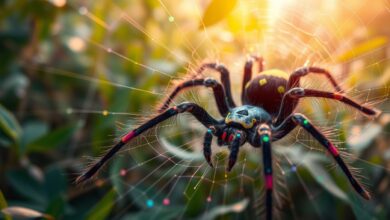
(267, 115)
(246, 116)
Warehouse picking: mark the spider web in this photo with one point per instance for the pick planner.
(163, 172)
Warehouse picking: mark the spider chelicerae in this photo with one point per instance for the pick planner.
(267, 115)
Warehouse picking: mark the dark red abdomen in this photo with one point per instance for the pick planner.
(266, 90)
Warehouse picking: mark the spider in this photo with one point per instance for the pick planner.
(267, 115)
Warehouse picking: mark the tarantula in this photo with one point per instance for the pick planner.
(267, 115)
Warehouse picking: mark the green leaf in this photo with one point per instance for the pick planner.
(161, 213)
(32, 131)
(360, 209)
(103, 208)
(325, 180)
(22, 212)
(3, 202)
(216, 11)
(117, 182)
(225, 209)
(55, 182)
(54, 139)
(313, 163)
(363, 48)
(362, 139)
(56, 207)
(3, 205)
(23, 183)
(9, 127)
(180, 153)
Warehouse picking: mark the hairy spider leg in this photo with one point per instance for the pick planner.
(264, 132)
(198, 112)
(248, 72)
(303, 71)
(294, 81)
(294, 94)
(208, 137)
(218, 90)
(234, 149)
(225, 79)
(301, 120)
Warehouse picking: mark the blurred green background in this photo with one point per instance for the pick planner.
(74, 75)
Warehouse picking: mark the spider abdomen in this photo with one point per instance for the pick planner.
(266, 90)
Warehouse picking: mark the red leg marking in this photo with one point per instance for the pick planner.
(128, 137)
(337, 96)
(333, 150)
(268, 181)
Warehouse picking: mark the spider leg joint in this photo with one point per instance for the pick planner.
(296, 92)
(210, 82)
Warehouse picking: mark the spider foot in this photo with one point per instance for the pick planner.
(207, 156)
(232, 162)
(81, 179)
(234, 148)
(366, 195)
(207, 146)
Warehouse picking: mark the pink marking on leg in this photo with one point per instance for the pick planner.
(128, 137)
(337, 96)
(333, 150)
(268, 181)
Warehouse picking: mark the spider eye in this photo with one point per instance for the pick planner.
(243, 112)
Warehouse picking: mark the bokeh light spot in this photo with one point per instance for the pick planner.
(149, 203)
(58, 3)
(76, 44)
(294, 168)
(166, 201)
(123, 172)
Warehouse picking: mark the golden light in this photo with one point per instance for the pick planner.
(58, 3)
(276, 8)
(257, 15)
(76, 44)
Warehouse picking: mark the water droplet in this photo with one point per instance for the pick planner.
(171, 19)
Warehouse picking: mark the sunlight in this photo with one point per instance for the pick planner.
(174, 109)
(276, 9)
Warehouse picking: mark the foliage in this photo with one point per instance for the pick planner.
(71, 70)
